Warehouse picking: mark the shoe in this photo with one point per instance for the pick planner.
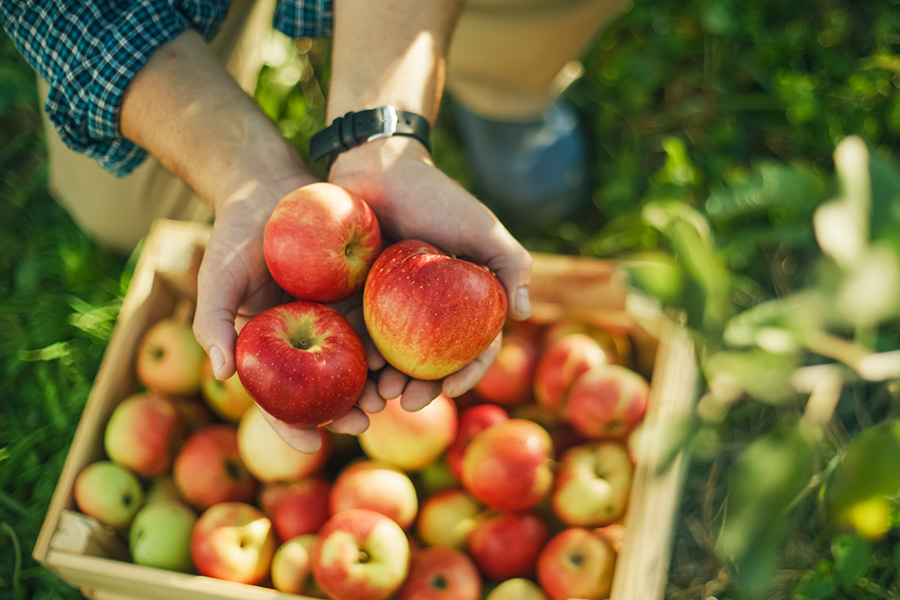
(532, 174)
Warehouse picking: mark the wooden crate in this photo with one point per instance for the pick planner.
(90, 557)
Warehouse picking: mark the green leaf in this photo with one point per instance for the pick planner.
(769, 187)
(851, 559)
(770, 474)
(763, 376)
(817, 584)
(866, 476)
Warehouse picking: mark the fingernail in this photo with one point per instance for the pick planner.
(521, 302)
(217, 358)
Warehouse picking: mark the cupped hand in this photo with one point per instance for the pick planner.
(413, 199)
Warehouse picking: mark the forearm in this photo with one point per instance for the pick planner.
(185, 109)
(390, 53)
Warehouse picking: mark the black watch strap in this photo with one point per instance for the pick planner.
(355, 128)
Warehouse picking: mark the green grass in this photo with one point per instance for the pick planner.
(731, 110)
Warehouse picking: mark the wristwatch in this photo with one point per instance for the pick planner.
(355, 128)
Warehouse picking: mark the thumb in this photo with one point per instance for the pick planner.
(512, 266)
(214, 320)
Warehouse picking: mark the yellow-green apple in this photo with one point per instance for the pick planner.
(297, 508)
(228, 399)
(160, 536)
(429, 313)
(506, 544)
(169, 358)
(143, 433)
(233, 541)
(302, 362)
(510, 378)
(208, 468)
(576, 563)
(291, 567)
(447, 517)
(410, 440)
(517, 588)
(441, 574)
(472, 420)
(592, 485)
(268, 457)
(509, 465)
(360, 554)
(608, 401)
(162, 488)
(320, 242)
(376, 486)
(560, 364)
(109, 492)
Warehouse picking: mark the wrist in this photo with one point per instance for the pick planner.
(367, 167)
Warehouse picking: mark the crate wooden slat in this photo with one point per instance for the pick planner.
(90, 557)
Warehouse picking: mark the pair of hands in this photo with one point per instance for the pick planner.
(412, 199)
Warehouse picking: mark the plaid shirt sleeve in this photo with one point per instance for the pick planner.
(304, 18)
(88, 52)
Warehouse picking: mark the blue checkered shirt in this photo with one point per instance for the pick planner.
(88, 52)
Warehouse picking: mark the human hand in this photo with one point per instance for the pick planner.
(414, 199)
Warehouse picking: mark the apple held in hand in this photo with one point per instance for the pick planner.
(592, 484)
(302, 362)
(233, 541)
(429, 313)
(360, 554)
(576, 563)
(320, 242)
(169, 358)
(508, 466)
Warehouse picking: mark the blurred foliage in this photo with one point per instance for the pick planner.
(714, 127)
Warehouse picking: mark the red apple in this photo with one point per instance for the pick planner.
(506, 544)
(233, 541)
(376, 486)
(410, 440)
(320, 242)
(472, 420)
(509, 465)
(208, 468)
(510, 378)
(560, 363)
(447, 517)
(429, 313)
(298, 508)
(576, 563)
(228, 399)
(517, 588)
(109, 492)
(169, 358)
(291, 567)
(592, 485)
(270, 458)
(302, 362)
(608, 401)
(143, 433)
(360, 554)
(441, 574)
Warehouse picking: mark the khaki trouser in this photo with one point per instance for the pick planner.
(509, 59)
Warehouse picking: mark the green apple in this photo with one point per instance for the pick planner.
(109, 492)
(160, 536)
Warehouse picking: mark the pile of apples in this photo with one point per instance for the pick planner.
(516, 490)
